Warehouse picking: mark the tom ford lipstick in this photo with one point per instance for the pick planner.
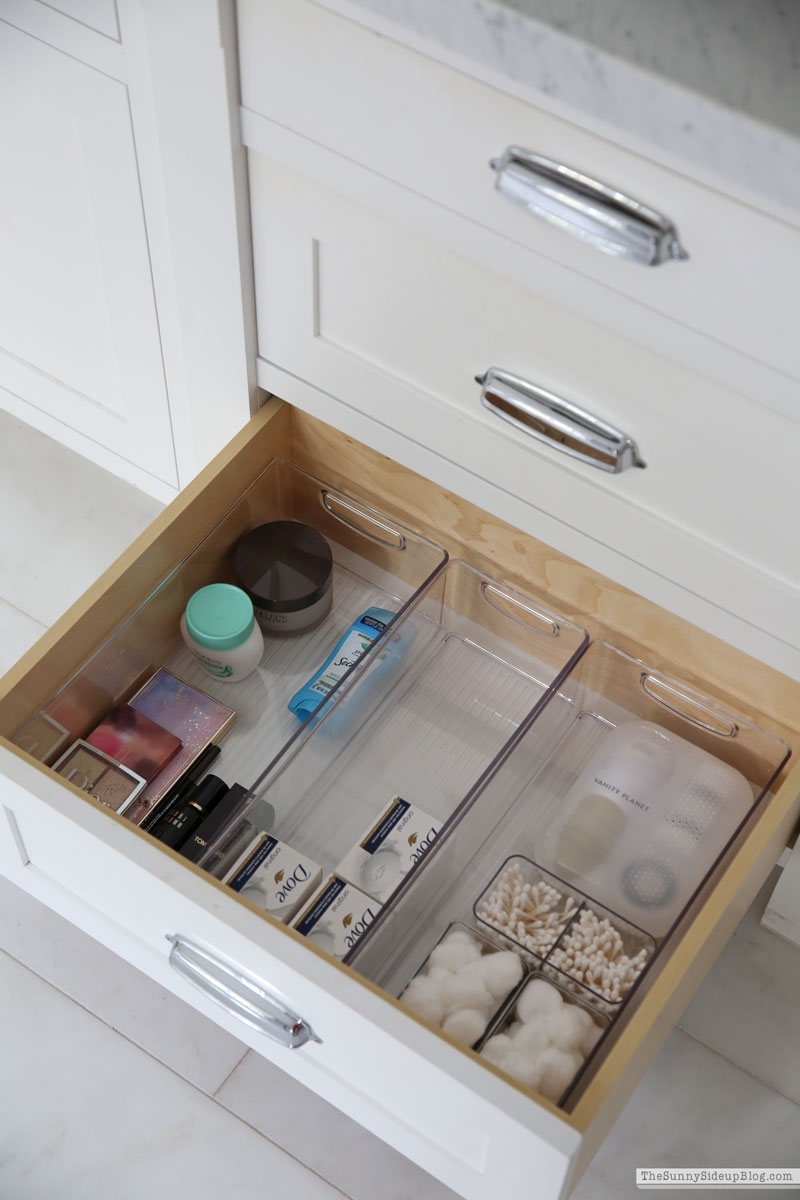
(182, 820)
(210, 828)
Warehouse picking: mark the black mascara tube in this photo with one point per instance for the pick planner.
(181, 788)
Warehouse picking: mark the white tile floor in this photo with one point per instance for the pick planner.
(113, 1088)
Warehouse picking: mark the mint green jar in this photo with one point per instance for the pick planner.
(220, 629)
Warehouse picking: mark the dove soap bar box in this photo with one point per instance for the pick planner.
(337, 916)
(273, 876)
(389, 849)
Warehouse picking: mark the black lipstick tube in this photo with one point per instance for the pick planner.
(182, 820)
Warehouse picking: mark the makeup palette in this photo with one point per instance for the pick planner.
(135, 741)
(100, 775)
(194, 717)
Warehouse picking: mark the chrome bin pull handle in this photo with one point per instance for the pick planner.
(592, 211)
(239, 993)
(558, 423)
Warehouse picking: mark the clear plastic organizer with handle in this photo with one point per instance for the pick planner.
(437, 707)
(521, 809)
(377, 562)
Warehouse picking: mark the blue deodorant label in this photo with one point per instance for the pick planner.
(345, 654)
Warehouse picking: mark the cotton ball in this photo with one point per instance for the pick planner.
(497, 1049)
(514, 1028)
(564, 1028)
(466, 1025)
(459, 935)
(438, 973)
(590, 1039)
(557, 1070)
(537, 999)
(501, 972)
(524, 1068)
(532, 1039)
(424, 995)
(465, 991)
(454, 955)
(474, 972)
(590, 1030)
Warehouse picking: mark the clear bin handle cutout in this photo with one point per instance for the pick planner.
(682, 704)
(542, 624)
(393, 538)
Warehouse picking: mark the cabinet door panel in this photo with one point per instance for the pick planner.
(96, 14)
(79, 336)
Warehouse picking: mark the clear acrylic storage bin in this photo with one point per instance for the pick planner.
(524, 1042)
(377, 561)
(510, 811)
(454, 985)
(459, 677)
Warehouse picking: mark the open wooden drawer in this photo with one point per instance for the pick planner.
(432, 1099)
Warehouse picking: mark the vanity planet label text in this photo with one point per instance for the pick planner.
(626, 796)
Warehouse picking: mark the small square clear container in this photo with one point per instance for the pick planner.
(487, 947)
(554, 905)
(630, 952)
(506, 1017)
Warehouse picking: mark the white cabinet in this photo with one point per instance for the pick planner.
(129, 259)
(397, 327)
(126, 308)
(80, 337)
(390, 273)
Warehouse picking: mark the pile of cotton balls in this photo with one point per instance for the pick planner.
(548, 1041)
(460, 985)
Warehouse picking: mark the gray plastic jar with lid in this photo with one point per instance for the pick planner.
(286, 568)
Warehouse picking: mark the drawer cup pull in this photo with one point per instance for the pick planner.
(592, 211)
(362, 520)
(557, 422)
(240, 994)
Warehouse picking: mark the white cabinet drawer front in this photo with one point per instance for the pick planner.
(398, 327)
(433, 130)
(80, 338)
(422, 1095)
